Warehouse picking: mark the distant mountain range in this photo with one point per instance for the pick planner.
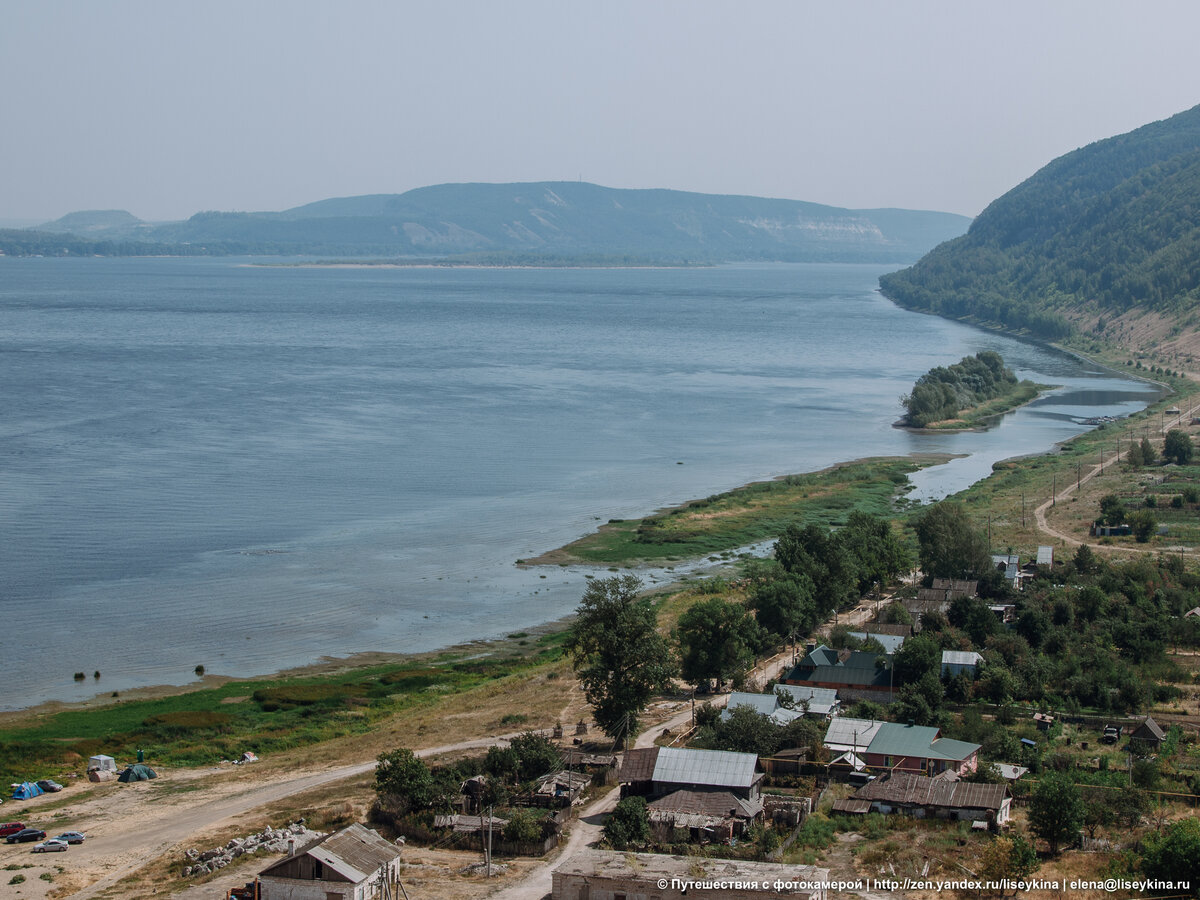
(539, 220)
(1105, 240)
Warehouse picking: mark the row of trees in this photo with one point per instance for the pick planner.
(622, 660)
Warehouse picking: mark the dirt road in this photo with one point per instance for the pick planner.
(1040, 514)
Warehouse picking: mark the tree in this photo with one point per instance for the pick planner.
(1143, 524)
(949, 544)
(1173, 854)
(1085, 560)
(876, 551)
(717, 641)
(537, 755)
(403, 781)
(785, 606)
(1149, 454)
(814, 552)
(1055, 810)
(629, 824)
(1010, 857)
(1112, 510)
(620, 657)
(745, 730)
(1177, 447)
(917, 657)
(524, 827)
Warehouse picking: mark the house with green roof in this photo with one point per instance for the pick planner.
(855, 670)
(919, 749)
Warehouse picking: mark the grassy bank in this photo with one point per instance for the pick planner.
(985, 413)
(268, 715)
(746, 515)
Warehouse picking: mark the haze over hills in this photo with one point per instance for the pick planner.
(1104, 239)
(546, 219)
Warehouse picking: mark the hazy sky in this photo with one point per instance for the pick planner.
(167, 108)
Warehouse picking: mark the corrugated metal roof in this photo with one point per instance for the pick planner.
(917, 790)
(893, 739)
(719, 804)
(918, 741)
(821, 701)
(638, 765)
(845, 733)
(960, 658)
(715, 768)
(890, 642)
(354, 852)
(1045, 556)
(764, 704)
(852, 806)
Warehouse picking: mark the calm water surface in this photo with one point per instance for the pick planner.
(248, 468)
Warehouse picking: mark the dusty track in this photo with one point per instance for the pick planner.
(1040, 514)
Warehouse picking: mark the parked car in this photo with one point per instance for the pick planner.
(11, 828)
(71, 837)
(49, 785)
(54, 845)
(25, 836)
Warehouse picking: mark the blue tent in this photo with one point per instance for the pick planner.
(25, 790)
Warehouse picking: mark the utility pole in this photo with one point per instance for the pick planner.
(1054, 489)
(489, 846)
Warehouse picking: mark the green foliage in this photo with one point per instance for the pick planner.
(629, 824)
(943, 391)
(537, 755)
(917, 657)
(1177, 447)
(744, 730)
(949, 543)
(524, 826)
(785, 606)
(1009, 856)
(717, 641)
(1056, 810)
(1112, 510)
(618, 654)
(1173, 853)
(403, 780)
(1111, 225)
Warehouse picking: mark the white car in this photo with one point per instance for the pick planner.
(51, 846)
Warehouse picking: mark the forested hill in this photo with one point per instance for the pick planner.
(1108, 229)
(561, 219)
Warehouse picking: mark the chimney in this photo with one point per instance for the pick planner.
(291, 846)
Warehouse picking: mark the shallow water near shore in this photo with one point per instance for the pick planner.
(204, 463)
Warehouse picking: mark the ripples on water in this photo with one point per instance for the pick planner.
(249, 468)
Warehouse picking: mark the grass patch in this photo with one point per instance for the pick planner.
(750, 514)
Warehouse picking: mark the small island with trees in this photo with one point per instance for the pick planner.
(965, 394)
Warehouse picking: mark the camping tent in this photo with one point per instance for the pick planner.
(25, 790)
(137, 772)
(102, 764)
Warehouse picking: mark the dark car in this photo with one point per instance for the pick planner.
(29, 834)
(11, 828)
(49, 785)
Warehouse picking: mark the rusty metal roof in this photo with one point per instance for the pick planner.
(904, 788)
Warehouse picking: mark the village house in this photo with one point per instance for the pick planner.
(606, 875)
(920, 749)
(942, 798)
(795, 702)
(855, 672)
(955, 662)
(352, 864)
(889, 642)
(848, 735)
(1149, 734)
(659, 771)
